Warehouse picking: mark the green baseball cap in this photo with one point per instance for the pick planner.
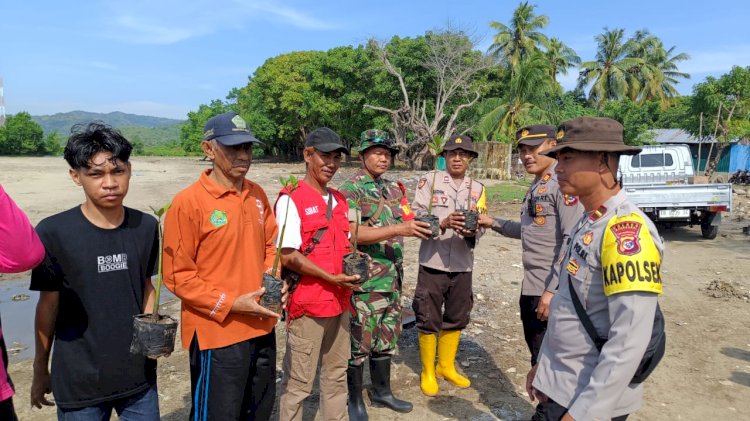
(377, 137)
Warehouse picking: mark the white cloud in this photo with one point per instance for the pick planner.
(171, 21)
(102, 65)
(288, 15)
(570, 80)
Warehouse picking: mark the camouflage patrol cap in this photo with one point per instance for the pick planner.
(376, 137)
(534, 135)
(595, 134)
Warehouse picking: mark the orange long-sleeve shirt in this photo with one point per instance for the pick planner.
(217, 244)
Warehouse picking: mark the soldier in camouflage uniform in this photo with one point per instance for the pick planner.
(385, 219)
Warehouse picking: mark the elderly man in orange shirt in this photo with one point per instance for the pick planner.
(219, 239)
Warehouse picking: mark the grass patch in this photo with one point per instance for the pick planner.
(507, 191)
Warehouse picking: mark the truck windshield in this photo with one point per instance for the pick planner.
(652, 160)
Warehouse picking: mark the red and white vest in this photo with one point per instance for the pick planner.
(315, 297)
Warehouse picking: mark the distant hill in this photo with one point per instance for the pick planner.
(62, 122)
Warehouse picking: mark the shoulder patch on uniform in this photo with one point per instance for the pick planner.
(546, 177)
(630, 259)
(422, 182)
(570, 200)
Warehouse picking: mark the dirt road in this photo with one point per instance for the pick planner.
(705, 374)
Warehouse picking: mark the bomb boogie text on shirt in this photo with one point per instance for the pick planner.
(111, 263)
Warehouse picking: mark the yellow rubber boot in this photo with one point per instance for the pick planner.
(427, 350)
(447, 348)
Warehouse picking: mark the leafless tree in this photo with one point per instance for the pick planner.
(455, 65)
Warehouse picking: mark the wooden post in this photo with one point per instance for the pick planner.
(716, 130)
(700, 143)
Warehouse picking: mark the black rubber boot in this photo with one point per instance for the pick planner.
(355, 403)
(380, 394)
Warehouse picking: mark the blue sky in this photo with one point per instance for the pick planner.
(166, 57)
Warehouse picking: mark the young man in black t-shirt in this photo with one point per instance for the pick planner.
(96, 275)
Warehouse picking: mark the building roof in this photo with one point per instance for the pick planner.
(681, 136)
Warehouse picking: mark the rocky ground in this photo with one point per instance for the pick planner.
(705, 374)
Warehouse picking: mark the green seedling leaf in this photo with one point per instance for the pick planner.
(292, 183)
(160, 212)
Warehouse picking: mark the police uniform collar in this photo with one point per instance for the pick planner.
(611, 203)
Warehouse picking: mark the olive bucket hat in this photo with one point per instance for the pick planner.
(594, 134)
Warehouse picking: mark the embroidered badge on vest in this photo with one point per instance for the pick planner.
(218, 218)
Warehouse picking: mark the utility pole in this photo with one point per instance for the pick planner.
(2, 104)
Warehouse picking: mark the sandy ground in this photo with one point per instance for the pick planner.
(705, 374)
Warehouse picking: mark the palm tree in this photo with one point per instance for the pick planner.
(660, 72)
(514, 42)
(560, 58)
(528, 89)
(613, 74)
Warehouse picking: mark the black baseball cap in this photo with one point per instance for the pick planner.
(325, 140)
(229, 129)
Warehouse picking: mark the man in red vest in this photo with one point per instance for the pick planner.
(318, 308)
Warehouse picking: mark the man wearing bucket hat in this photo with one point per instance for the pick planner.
(547, 215)
(386, 219)
(443, 298)
(609, 274)
(96, 275)
(219, 238)
(316, 239)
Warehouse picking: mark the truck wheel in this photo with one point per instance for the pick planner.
(709, 231)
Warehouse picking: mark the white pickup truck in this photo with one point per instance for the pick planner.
(659, 180)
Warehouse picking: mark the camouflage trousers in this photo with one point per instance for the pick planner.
(376, 326)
